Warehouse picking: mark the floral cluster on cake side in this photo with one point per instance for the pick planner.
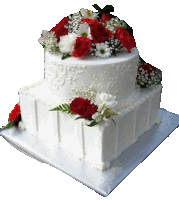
(15, 118)
(100, 34)
(148, 75)
(91, 106)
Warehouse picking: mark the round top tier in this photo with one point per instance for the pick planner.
(115, 75)
(121, 56)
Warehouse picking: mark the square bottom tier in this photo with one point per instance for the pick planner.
(97, 145)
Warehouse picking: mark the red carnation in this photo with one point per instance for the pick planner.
(83, 107)
(98, 31)
(105, 18)
(81, 47)
(59, 29)
(147, 67)
(14, 115)
(124, 37)
(129, 43)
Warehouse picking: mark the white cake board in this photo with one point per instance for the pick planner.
(103, 182)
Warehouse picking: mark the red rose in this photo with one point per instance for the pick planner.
(14, 115)
(121, 33)
(124, 37)
(99, 32)
(59, 29)
(105, 18)
(147, 67)
(81, 47)
(83, 107)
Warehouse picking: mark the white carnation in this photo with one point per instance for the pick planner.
(66, 44)
(107, 99)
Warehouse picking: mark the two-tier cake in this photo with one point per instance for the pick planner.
(98, 96)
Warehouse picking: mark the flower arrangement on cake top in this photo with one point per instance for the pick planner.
(97, 33)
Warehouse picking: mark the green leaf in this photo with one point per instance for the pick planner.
(105, 113)
(98, 118)
(109, 7)
(97, 8)
(64, 56)
(55, 109)
(93, 123)
(83, 118)
(9, 125)
(114, 122)
(63, 108)
(113, 114)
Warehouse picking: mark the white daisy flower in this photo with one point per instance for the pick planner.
(88, 13)
(84, 31)
(66, 44)
(102, 50)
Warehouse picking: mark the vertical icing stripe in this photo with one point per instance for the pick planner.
(34, 115)
(135, 115)
(149, 109)
(58, 126)
(80, 136)
(55, 126)
(83, 140)
(117, 133)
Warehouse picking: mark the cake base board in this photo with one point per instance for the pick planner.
(103, 182)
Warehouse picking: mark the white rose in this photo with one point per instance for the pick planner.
(66, 44)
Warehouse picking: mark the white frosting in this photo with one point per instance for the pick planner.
(97, 145)
(137, 110)
(115, 75)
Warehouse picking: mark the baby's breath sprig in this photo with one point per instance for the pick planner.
(114, 45)
(50, 42)
(115, 22)
(74, 22)
(86, 93)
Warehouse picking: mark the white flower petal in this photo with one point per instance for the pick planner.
(102, 50)
(83, 30)
(66, 44)
(41, 40)
(88, 14)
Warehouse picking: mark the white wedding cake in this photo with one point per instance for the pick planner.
(98, 96)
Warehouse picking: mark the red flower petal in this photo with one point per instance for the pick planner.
(105, 18)
(147, 67)
(15, 113)
(59, 29)
(83, 107)
(124, 37)
(81, 47)
(99, 32)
